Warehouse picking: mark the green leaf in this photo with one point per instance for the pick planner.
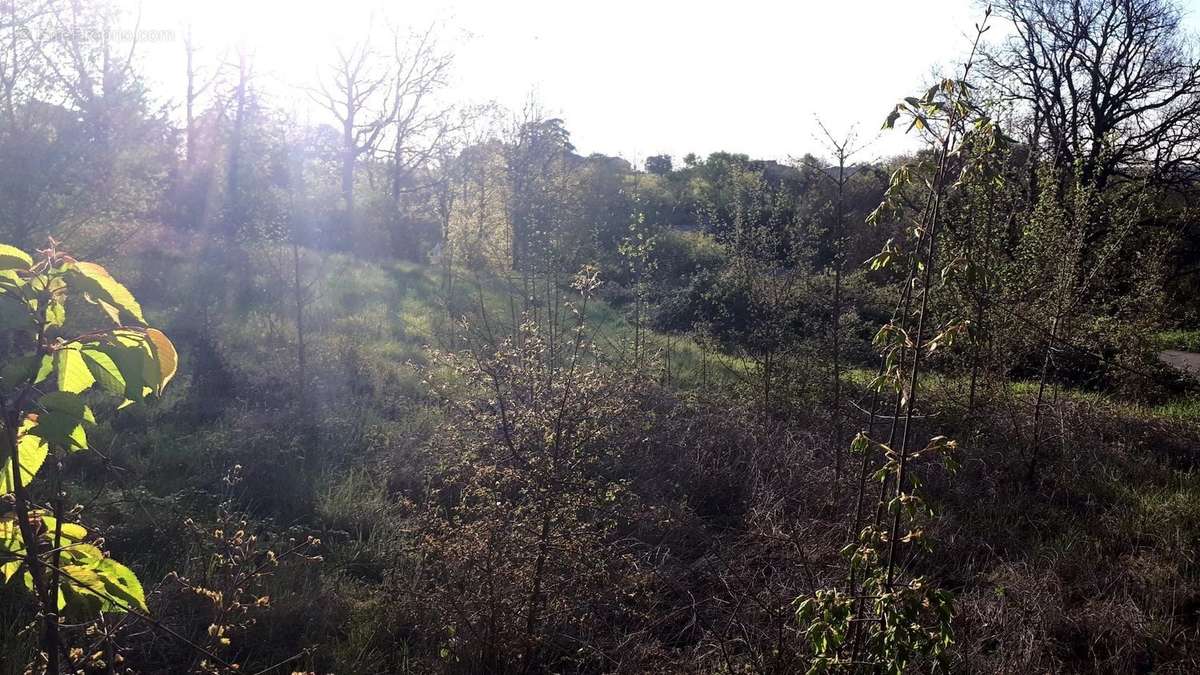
(81, 554)
(62, 424)
(19, 369)
(56, 313)
(12, 258)
(130, 357)
(10, 534)
(113, 583)
(44, 370)
(73, 373)
(72, 533)
(859, 444)
(60, 431)
(68, 404)
(102, 367)
(31, 452)
(10, 568)
(143, 358)
(106, 291)
(12, 548)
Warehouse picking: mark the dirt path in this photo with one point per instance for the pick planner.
(1188, 362)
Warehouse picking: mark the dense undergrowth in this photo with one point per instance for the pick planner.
(720, 518)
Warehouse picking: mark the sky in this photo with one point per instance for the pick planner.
(630, 78)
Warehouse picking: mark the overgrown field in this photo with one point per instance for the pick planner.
(1091, 565)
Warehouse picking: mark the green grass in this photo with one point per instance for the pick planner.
(1182, 409)
(1185, 408)
(1187, 340)
(369, 322)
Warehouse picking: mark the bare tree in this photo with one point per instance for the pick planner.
(18, 50)
(842, 149)
(241, 103)
(1109, 86)
(85, 63)
(197, 85)
(357, 95)
(418, 125)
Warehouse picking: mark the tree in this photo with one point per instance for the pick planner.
(79, 137)
(911, 618)
(843, 149)
(536, 159)
(417, 125)
(1108, 87)
(19, 74)
(357, 95)
(763, 287)
(658, 164)
(478, 229)
(528, 502)
(234, 212)
(87, 66)
(196, 86)
(1108, 93)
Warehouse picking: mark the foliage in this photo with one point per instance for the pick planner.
(49, 367)
(882, 621)
(519, 533)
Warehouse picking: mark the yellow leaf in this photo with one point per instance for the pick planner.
(164, 353)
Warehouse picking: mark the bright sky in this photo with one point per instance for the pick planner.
(631, 78)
